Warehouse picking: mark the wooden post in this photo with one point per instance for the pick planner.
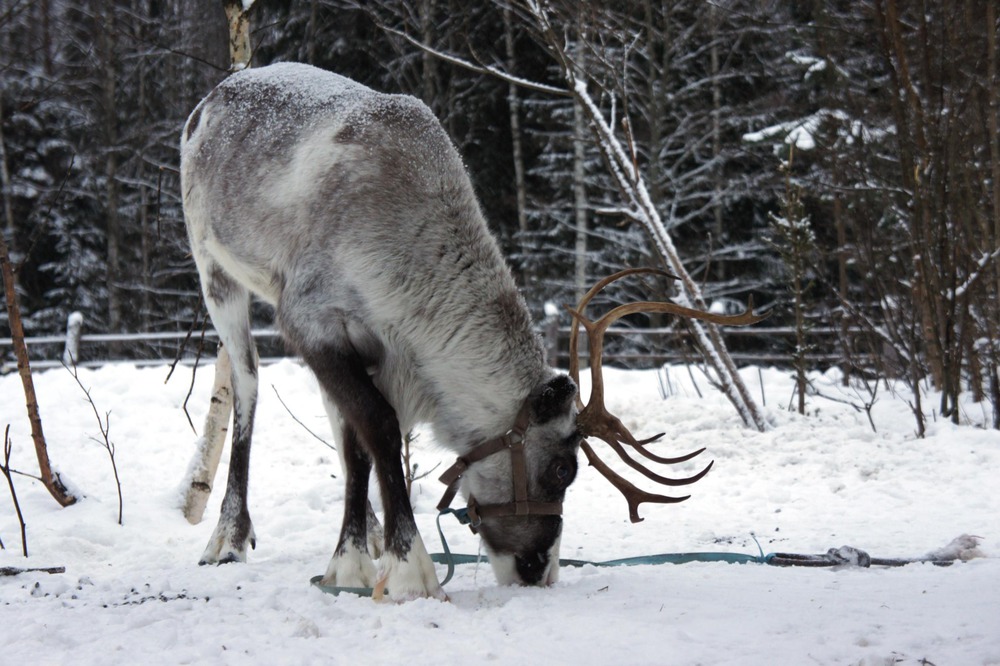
(74, 326)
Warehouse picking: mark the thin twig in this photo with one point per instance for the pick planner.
(296, 419)
(417, 477)
(409, 437)
(183, 343)
(159, 190)
(819, 394)
(694, 382)
(5, 468)
(105, 427)
(34, 477)
(411, 471)
(194, 373)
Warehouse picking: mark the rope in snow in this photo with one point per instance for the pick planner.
(961, 548)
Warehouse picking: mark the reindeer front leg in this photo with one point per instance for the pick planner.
(406, 570)
(228, 303)
(371, 427)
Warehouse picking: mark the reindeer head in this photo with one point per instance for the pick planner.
(515, 500)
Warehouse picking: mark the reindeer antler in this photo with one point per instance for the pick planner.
(594, 418)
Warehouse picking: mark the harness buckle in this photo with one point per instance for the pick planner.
(472, 514)
(514, 437)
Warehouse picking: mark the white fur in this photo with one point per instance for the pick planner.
(353, 568)
(312, 159)
(410, 578)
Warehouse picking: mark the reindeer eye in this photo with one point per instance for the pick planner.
(561, 472)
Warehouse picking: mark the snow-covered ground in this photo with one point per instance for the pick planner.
(134, 593)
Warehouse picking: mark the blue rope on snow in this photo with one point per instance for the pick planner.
(450, 559)
(844, 556)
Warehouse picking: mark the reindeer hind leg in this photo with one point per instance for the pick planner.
(406, 569)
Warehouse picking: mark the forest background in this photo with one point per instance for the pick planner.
(836, 161)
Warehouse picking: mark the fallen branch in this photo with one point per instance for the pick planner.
(14, 571)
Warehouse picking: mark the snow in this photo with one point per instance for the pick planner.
(812, 63)
(134, 593)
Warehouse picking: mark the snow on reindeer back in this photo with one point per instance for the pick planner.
(271, 107)
(292, 93)
(304, 84)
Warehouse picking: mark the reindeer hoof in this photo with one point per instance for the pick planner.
(409, 577)
(350, 568)
(229, 542)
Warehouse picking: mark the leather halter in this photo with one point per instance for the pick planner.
(513, 441)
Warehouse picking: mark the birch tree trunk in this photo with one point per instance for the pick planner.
(208, 449)
(713, 13)
(238, 15)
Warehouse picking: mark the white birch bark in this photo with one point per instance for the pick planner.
(208, 449)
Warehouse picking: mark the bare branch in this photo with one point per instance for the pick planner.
(5, 468)
(104, 424)
(478, 68)
(296, 419)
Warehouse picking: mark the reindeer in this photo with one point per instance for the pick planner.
(351, 213)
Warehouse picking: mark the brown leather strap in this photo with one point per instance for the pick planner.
(484, 450)
(513, 441)
(519, 473)
(453, 475)
(477, 512)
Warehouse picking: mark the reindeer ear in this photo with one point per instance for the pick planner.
(553, 399)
